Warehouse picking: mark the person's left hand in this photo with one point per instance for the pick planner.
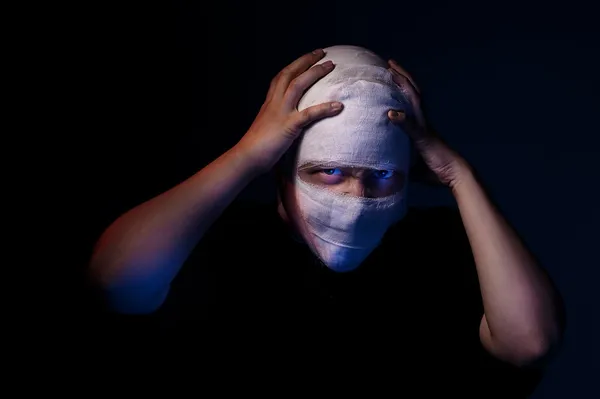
(446, 165)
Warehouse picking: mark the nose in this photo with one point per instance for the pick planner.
(357, 188)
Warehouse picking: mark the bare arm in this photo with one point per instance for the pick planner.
(522, 309)
(138, 256)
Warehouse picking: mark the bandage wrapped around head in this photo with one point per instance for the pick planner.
(344, 229)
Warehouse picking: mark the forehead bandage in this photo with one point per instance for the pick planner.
(362, 134)
(344, 229)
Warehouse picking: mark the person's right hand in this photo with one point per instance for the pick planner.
(279, 123)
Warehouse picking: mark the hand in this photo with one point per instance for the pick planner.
(279, 123)
(444, 164)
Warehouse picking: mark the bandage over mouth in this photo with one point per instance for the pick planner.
(345, 229)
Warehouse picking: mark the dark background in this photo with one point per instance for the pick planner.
(514, 87)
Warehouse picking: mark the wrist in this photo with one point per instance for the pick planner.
(246, 161)
(462, 174)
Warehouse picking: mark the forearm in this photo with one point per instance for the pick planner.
(521, 319)
(138, 255)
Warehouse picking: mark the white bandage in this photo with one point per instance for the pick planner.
(345, 229)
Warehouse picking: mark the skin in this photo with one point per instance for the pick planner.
(360, 182)
(139, 254)
(522, 309)
(523, 312)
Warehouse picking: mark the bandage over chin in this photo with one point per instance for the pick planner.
(344, 229)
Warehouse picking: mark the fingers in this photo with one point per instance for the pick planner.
(411, 94)
(281, 82)
(397, 116)
(400, 118)
(316, 112)
(406, 87)
(298, 86)
(396, 69)
(412, 125)
(408, 123)
(394, 64)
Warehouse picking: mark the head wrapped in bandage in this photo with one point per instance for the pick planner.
(344, 229)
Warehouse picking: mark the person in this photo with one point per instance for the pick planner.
(339, 272)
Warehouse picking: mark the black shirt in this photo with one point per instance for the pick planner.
(407, 318)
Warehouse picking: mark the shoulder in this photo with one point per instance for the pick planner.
(443, 218)
(246, 211)
(438, 226)
(441, 229)
(240, 218)
(434, 249)
(223, 254)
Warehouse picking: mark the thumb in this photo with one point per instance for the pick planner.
(312, 114)
(407, 123)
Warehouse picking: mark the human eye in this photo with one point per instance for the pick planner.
(331, 171)
(383, 174)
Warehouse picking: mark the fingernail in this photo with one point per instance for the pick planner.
(336, 106)
(318, 51)
(328, 64)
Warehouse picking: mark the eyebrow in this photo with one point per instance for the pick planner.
(311, 165)
(333, 164)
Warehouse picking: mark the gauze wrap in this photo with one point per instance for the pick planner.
(344, 229)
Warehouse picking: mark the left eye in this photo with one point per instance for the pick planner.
(331, 172)
(383, 174)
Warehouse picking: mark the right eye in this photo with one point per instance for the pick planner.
(383, 174)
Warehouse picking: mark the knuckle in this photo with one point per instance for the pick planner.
(397, 76)
(325, 69)
(286, 71)
(294, 84)
(408, 75)
(266, 105)
(307, 113)
(291, 125)
(274, 81)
